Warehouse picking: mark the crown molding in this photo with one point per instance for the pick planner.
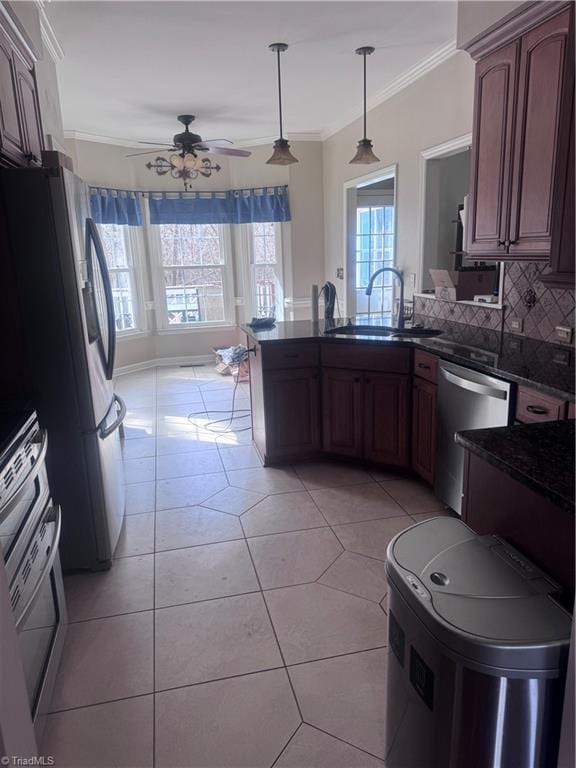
(424, 66)
(49, 39)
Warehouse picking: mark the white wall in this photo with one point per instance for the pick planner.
(303, 239)
(430, 111)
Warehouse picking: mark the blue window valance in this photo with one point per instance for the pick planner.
(115, 206)
(235, 206)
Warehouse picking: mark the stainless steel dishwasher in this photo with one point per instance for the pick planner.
(466, 400)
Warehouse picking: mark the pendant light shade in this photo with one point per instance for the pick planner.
(281, 154)
(364, 152)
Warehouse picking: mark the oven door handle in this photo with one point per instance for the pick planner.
(53, 513)
(42, 438)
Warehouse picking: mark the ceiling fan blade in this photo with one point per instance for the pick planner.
(213, 143)
(153, 152)
(153, 143)
(227, 151)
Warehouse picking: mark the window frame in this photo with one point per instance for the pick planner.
(159, 287)
(249, 284)
(385, 281)
(133, 244)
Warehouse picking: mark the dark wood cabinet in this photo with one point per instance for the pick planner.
(522, 117)
(491, 165)
(292, 401)
(424, 404)
(342, 410)
(387, 419)
(21, 136)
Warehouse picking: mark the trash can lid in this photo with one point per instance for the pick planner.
(479, 596)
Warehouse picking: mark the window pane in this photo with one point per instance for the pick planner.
(114, 244)
(194, 295)
(190, 244)
(264, 240)
(119, 263)
(266, 291)
(374, 250)
(122, 295)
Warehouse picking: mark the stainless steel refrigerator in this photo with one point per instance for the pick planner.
(66, 303)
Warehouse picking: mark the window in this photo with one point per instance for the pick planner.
(374, 250)
(265, 268)
(195, 277)
(116, 244)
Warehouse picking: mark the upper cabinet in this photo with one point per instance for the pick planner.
(521, 138)
(21, 136)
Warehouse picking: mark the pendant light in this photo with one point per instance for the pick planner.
(281, 154)
(364, 152)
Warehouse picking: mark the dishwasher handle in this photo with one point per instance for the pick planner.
(474, 386)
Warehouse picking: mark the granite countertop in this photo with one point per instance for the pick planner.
(540, 456)
(546, 367)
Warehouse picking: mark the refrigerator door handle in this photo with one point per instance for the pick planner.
(103, 430)
(93, 237)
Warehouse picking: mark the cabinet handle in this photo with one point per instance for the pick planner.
(537, 409)
(424, 366)
(502, 243)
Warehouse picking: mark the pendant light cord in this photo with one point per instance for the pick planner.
(364, 59)
(279, 94)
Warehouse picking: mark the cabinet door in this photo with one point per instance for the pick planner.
(493, 131)
(542, 75)
(387, 419)
(12, 143)
(424, 397)
(342, 411)
(292, 406)
(30, 111)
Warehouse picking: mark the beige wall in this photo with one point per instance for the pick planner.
(303, 247)
(430, 111)
(476, 16)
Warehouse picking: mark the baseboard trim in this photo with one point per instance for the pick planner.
(161, 362)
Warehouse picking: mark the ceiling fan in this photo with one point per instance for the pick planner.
(184, 162)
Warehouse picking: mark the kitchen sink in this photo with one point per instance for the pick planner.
(382, 330)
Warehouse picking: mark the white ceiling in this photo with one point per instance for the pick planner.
(130, 67)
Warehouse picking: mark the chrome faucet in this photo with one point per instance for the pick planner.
(401, 279)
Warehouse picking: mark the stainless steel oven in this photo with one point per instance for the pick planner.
(29, 536)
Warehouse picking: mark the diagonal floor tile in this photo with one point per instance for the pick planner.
(189, 464)
(324, 474)
(139, 447)
(184, 443)
(192, 526)
(414, 496)
(354, 503)
(188, 491)
(202, 573)
(358, 575)
(140, 497)
(217, 638)
(139, 470)
(234, 501)
(243, 722)
(310, 748)
(265, 480)
(372, 537)
(418, 518)
(313, 622)
(125, 588)
(346, 697)
(240, 456)
(137, 536)
(282, 512)
(105, 659)
(119, 734)
(284, 559)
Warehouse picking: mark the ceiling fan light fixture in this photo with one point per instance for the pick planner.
(364, 151)
(281, 154)
(364, 154)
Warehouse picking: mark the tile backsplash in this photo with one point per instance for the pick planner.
(526, 299)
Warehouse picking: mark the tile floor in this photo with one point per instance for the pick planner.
(243, 624)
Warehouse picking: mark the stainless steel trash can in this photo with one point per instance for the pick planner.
(477, 653)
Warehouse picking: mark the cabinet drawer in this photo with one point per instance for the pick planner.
(533, 406)
(289, 356)
(426, 366)
(366, 357)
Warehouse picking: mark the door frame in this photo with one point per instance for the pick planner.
(349, 224)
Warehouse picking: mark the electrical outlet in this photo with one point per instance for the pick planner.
(340, 273)
(564, 333)
(412, 280)
(516, 324)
